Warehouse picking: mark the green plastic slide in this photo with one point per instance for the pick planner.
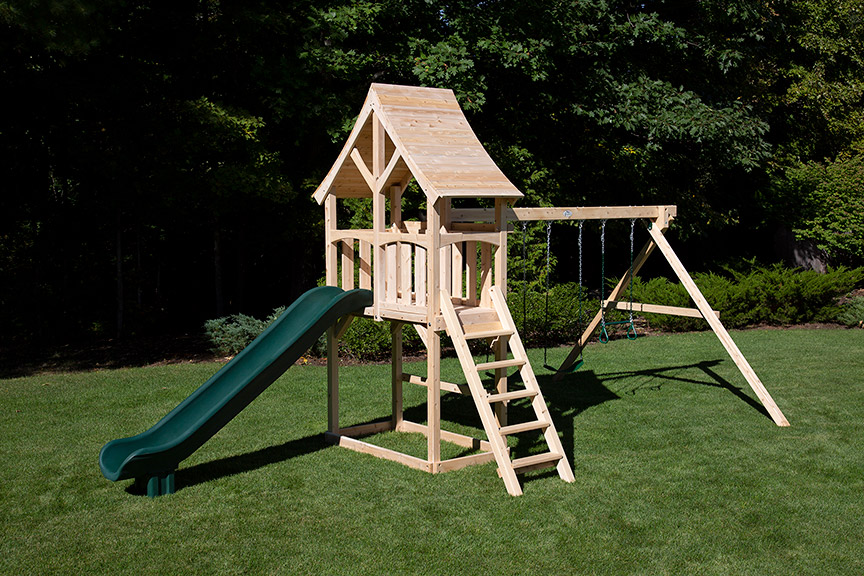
(152, 456)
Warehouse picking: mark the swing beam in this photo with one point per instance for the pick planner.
(658, 219)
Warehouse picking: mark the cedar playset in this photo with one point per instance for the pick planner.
(447, 272)
(444, 273)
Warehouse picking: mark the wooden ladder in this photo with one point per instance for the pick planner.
(504, 327)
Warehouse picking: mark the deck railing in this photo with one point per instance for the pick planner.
(399, 280)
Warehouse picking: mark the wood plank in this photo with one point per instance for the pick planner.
(456, 265)
(493, 238)
(446, 386)
(500, 364)
(471, 280)
(469, 316)
(347, 264)
(365, 265)
(512, 395)
(433, 339)
(405, 273)
(380, 270)
(366, 429)
(360, 164)
(330, 249)
(524, 427)
(568, 213)
(536, 462)
(377, 451)
(420, 288)
(448, 436)
(396, 373)
(485, 273)
(485, 330)
(718, 328)
(332, 380)
(465, 461)
(347, 235)
(391, 271)
(656, 309)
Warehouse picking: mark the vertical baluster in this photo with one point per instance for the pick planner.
(457, 278)
(485, 273)
(420, 275)
(405, 273)
(365, 265)
(348, 264)
(471, 265)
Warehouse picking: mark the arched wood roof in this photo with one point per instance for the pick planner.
(427, 137)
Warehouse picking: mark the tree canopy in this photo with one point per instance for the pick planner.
(158, 158)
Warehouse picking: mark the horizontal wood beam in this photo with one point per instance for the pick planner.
(367, 429)
(660, 213)
(655, 309)
(447, 386)
(446, 435)
(377, 451)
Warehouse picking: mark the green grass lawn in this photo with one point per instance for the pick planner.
(678, 471)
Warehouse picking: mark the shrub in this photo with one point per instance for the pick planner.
(229, 335)
(764, 295)
(761, 295)
(852, 312)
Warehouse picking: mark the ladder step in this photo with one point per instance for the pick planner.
(488, 334)
(500, 364)
(523, 427)
(529, 463)
(515, 395)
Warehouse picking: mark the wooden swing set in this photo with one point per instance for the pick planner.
(446, 271)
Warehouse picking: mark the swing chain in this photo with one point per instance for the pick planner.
(548, 271)
(632, 226)
(524, 276)
(580, 276)
(604, 335)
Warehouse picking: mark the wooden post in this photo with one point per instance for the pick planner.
(433, 339)
(332, 381)
(396, 373)
(501, 283)
(330, 255)
(718, 328)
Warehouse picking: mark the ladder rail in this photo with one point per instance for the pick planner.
(483, 399)
(541, 410)
(499, 448)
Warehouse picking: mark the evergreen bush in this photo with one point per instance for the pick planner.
(772, 295)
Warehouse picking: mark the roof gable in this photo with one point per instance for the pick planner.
(426, 136)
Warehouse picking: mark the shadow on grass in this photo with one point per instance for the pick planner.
(714, 380)
(566, 399)
(241, 463)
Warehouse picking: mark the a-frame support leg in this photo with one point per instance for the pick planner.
(638, 261)
(717, 327)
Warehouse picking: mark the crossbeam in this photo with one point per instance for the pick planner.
(661, 214)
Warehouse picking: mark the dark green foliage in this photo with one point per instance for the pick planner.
(159, 156)
(832, 197)
(231, 334)
(852, 312)
(764, 295)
